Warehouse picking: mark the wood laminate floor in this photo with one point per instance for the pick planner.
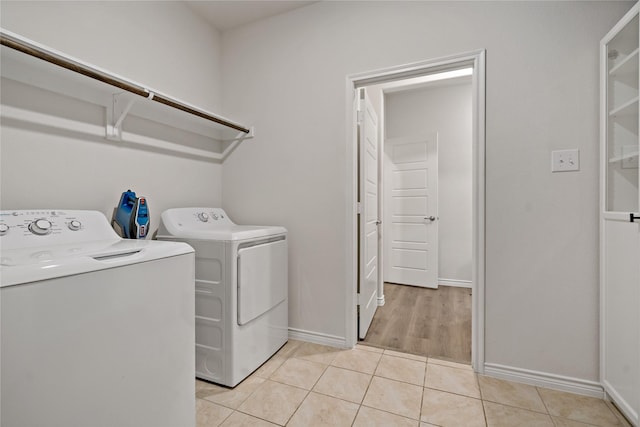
(427, 322)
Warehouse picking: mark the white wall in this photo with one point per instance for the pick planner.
(445, 109)
(161, 44)
(287, 76)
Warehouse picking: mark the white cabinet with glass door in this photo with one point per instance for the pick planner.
(620, 217)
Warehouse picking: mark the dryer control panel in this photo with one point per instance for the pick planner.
(213, 214)
(33, 228)
(196, 218)
(209, 224)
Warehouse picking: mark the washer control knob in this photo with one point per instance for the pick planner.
(215, 216)
(74, 225)
(4, 229)
(40, 227)
(202, 216)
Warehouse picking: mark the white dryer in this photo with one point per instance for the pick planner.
(241, 286)
(95, 330)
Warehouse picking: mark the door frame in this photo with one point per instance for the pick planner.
(476, 60)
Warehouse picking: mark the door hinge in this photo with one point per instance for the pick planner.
(359, 299)
(359, 208)
(360, 116)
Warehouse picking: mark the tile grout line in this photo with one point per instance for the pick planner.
(373, 375)
(521, 408)
(291, 355)
(448, 364)
(297, 408)
(509, 405)
(363, 396)
(253, 416)
(400, 355)
(452, 392)
(544, 404)
(455, 394)
(484, 411)
(424, 383)
(617, 412)
(339, 398)
(356, 417)
(314, 384)
(552, 416)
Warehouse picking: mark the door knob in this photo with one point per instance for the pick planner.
(378, 222)
(431, 218)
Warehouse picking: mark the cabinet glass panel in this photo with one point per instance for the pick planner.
(622, 193)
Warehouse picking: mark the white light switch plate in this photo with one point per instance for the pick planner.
(565, 160)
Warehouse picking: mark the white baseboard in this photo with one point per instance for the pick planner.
(544, 379)
(456, 283)
(622, 405)
(317, 338)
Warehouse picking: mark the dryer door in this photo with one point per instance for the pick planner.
(262, 279)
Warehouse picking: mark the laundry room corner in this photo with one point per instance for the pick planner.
(64, 165)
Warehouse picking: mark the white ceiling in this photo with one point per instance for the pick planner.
(227, 14)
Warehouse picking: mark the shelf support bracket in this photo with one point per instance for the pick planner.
(121, 104)
(233, 142)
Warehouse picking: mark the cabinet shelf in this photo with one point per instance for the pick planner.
(629, 108)
(623, 157)
(39, 66)
(627, 65)
(619, 202)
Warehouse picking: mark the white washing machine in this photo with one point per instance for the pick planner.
(241, 286)
(96, 330)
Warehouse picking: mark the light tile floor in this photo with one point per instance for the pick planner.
(312, 385)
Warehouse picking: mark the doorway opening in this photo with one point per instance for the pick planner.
(399, 251)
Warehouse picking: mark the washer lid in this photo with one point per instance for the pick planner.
(26, 265)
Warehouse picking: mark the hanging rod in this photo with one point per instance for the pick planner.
(20, 44)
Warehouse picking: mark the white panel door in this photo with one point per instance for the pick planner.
(368, 218)
(620, 216)
(411, 206)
